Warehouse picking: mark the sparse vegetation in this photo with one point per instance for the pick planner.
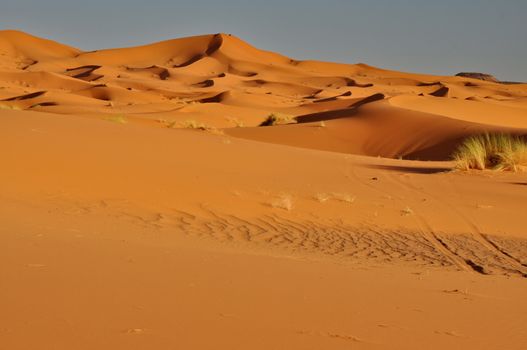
(278, 119)
(284, 201)
(492, 151)
(121, 119)
(170, 125)
(322, 197)
(238, 123)
(9, 107)
(341, 197)
(407, 211)
(192, 124)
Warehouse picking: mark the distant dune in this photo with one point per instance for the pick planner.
(219, 81)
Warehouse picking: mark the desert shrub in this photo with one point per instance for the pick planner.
(277, 119)
(492, 151)
(192, 124)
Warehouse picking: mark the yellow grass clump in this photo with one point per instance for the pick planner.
(192, 124)
(492, 151)
(238, 123)
(120, 119)
(284, 201)
(278, 119)
(341, 197)
(11, 107)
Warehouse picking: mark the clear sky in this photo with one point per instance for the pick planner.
(429, 36)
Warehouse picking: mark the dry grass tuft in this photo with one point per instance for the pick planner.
(121, 119)
(341, 197)
(407, 211)
(492, 151)
(322, 197)
(237, 123)
(192, 124)
(10, 107)
(278, 119)
(284, 201)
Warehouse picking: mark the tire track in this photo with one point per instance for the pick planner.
(331, 240)
(476, 233)
(366, 243)
(425, 229)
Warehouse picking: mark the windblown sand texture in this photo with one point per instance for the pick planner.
(144, 207)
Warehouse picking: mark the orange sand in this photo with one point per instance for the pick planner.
(144, 208)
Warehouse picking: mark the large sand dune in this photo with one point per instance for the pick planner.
(143, 205)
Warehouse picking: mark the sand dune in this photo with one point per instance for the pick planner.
(143, 205)
(23, 50)
(202, 69)
(375, 130)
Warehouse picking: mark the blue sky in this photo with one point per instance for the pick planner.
(440, 37)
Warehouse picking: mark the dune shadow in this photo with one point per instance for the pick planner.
(441, 92)
(339, 113)
(410, 169)
(26, 96)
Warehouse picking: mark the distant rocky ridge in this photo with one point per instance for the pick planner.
(484, 76)
(480, 76)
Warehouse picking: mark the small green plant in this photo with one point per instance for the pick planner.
(278, 119)
(492, 151)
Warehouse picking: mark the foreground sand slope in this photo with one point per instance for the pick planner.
(90, 282)
(117, 236)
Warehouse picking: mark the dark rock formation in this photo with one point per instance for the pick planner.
(480, 76)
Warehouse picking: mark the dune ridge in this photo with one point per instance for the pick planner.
(215, 79)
